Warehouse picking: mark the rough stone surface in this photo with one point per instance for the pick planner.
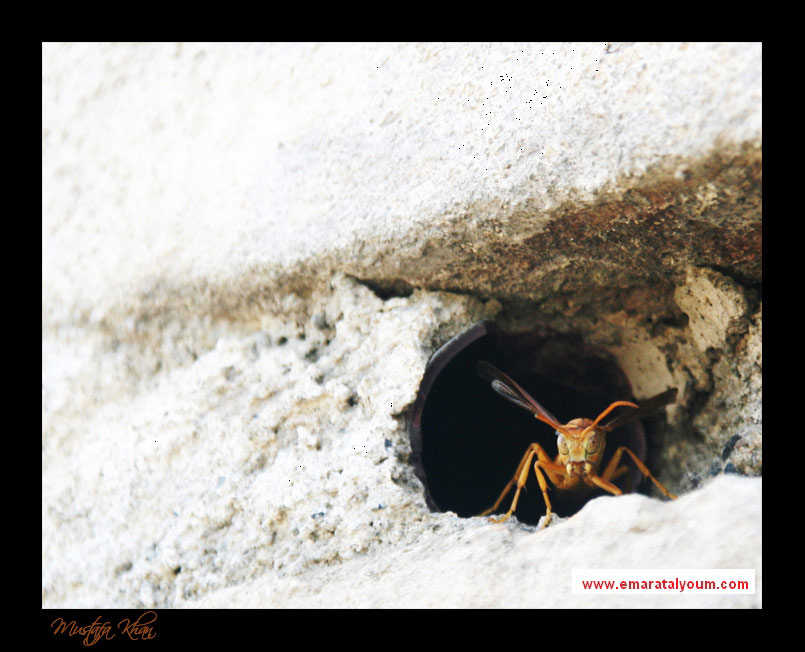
(455, 563)
(250, 252)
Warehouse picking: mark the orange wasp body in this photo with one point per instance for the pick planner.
(581, 445)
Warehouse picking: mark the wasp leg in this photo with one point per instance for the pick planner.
(606, 485)
(626, 486)
(554, 472)
(558, 475)
(526, 459)
(610, 472)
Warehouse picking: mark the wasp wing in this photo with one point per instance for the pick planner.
(646, 407)
(504, 385)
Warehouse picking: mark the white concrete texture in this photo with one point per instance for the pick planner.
(223, 403)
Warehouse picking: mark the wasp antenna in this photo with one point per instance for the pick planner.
(553, 424)
(607, 411)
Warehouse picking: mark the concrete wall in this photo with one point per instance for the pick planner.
(251, 251)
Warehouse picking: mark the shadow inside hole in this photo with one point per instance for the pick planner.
(467, 441)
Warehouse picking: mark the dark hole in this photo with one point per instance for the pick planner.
(385, 289)
(729, 446)
(467, 440)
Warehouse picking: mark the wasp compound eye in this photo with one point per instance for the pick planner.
(467, 439)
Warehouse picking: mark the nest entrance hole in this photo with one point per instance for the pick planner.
(467, 440)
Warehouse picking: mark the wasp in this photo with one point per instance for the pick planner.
(581, 444)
